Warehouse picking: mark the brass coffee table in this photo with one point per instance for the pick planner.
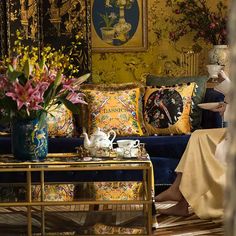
(36, 215)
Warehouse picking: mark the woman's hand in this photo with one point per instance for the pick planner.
(223, 75)
(220, 108)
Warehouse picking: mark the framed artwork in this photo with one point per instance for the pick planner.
(60, 24)
(119, 25)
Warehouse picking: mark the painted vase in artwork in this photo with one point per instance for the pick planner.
(219, 55)
(108, 34)
(29, 140)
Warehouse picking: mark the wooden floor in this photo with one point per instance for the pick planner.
(186, 226)
(13, 221)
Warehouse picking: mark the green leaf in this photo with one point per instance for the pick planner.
(58, 79)
(13, 75)
(82, 79)
(48, 95)
(74, 108)
(42, 63)
(10, 68)
(26, 68)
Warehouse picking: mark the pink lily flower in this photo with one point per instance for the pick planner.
(76, 98)
(26, 96)
(42, 87)
(68, 85)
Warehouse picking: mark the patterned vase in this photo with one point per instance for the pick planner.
(29, 142)
(219, 55)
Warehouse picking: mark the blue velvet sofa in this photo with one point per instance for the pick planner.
(165, 151)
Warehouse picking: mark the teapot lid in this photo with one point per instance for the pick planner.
(98, 132)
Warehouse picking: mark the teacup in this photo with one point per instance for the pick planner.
(214, 70)
(125, 143)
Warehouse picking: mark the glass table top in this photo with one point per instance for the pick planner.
(68, 159)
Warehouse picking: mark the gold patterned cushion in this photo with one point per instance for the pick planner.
(198, 94)
(102, 229)
(54, 192)
(167, 109)
(129, 190)
(60, 121)
(116, 107)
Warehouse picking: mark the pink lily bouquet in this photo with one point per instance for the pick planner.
(31, 86)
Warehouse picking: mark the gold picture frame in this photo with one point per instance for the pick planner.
(119, 25)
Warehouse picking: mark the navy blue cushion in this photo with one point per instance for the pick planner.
(55, 145)
(164, 170)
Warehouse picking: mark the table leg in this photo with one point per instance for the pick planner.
(29, 198)
(42, 200)
(29, 221)
(149, 198)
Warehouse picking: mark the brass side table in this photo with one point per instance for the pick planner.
(66, 164)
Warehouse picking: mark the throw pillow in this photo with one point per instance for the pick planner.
(198, 94)
(60, 121)
(100, 191)
(54, 192)
(167, 109)
(115, 107)
(129, 190)
(102, 229)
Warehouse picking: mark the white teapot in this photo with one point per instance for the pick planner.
(99, 139)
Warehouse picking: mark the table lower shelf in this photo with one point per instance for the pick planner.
(54, 184)
(75, 220)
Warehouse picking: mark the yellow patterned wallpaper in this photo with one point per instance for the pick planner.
(161, 58)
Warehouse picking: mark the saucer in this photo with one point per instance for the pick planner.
(124, 152)
(209, 105)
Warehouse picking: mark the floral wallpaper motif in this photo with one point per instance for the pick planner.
(163, 57)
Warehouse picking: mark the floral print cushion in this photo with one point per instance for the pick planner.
(102, 229)
(167, 109)
(60, 121)
(129, 190)
(116, 107)
(198, 94)
(54, 192)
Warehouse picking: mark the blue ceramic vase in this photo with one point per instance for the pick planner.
(29, 141)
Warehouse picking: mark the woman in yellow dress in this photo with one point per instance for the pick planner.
(201, 172)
